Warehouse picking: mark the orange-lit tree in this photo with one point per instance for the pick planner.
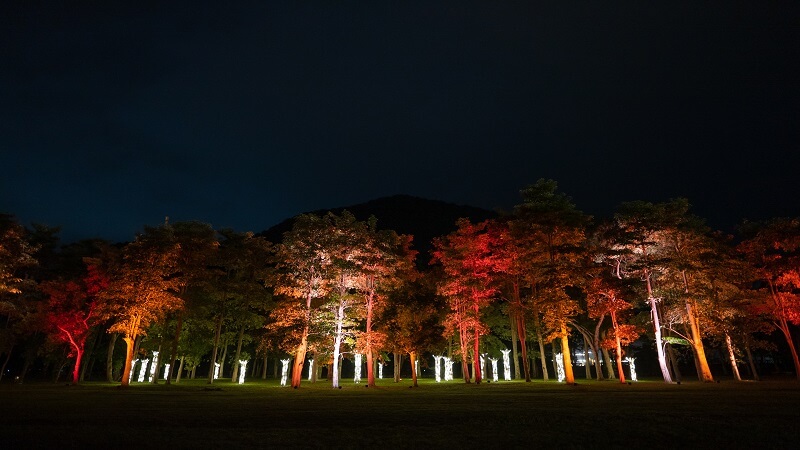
(553, 234)
(142, 288)
(604, 298)
(71, 309)
(470, 265)
(773, 250)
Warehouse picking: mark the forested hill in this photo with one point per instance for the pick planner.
(424, 219)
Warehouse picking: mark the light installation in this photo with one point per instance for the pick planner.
(143, 370)
(380, 371)
(216, 370)
(153, 367)
(310, 369)
(437, 369)
(483, 362)
(417, 368)
(506, 365)
(242, 367)
(629, 360)
(133, 365)
(560, 367)
(166, 370)
(284, 371)
(448, 369)
(357, 377)
(494, 368)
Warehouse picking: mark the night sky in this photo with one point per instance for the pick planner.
(113, 117)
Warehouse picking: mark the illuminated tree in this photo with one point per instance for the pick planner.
(71, 310)
(303, 266)
(142, 288)
(470, 264)
(773, 250)
(552, 230)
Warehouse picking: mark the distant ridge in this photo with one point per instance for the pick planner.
(423, 218)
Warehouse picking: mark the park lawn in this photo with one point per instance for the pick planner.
(262, 414)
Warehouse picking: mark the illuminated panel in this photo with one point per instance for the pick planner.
(166, 370)
(143, 370)
(560, 367)
(310, 368)
(380, 371)
(448, 369)
(630, 360)
(494, 368)
(133, 366)
(153, 367)
(506, 365)
(417, 367)
(242, 368)
(357, 377)
(284, 371)
(436, 368)
(216, 370)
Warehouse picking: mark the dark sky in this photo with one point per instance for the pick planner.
(113, 117)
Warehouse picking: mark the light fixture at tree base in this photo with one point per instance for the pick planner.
(357, 376)
(143, 370)
(284, 371)
(494, 368)
(242, 367)
(506, 365)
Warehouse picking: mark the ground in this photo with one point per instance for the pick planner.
(262, 414)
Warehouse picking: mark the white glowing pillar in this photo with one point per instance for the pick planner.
(153, 367)
(166, 370)
(310, 369)
(494, 368)
(284, 371)
(133, 366)
(417, 366)
(436, 368)
(242, 367)
(633, 368)
(506, 365)
(448, 369)
(216, 370)
(143, 370)
(357, 377)
(380, 370)
(560, 367)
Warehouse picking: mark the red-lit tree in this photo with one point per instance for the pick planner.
(71, 310)
(470, 265)
(773, 249)
(605, 299)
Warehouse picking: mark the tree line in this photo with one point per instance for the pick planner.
(652, 278)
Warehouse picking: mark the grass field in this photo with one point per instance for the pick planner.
(261, 414)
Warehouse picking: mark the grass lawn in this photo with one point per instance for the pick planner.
(261, 414)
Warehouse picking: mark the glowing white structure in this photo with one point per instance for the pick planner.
(448, 369)
(153, 367)
(143, 370)
(483, 364)
(417, 367)
(242, 367)
(166, 370)
(357, 376)
(437, 370)
(284, 371)
(494, 368)
(630, 360)
(506, 365)
(133, 366)
(216, 370)
(560, 367)
(380, 370)
(310, 369)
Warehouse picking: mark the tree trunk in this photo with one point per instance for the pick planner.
(238, 354)
(156, 365)
(5, 363)
(541, 349)
(88, 358)
(368, 332)
(522, 334)
(750, 361)
(413, 358)
(619, 347)
(337, 343)
(173, 350)
(673, 360)
(784, 327)
(732, 357)
(179, 371)
(264, 369)
(476, 357)
(217, 333)
(570, 377)
(398, 364)
(595, 343)
(514, 355)
(586, 364)
(130, 343)
(609, 364)
(654, 315)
